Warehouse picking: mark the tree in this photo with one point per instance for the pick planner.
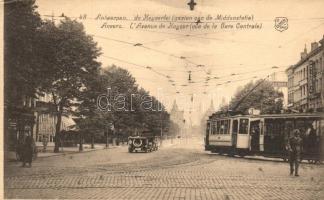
(264, 97)
(21, 67)
(21, 59)
(70, 56)
(130, 108)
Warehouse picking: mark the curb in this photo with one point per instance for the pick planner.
(75, 152)
(65, 153)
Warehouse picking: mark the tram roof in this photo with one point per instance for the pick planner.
(269, 116)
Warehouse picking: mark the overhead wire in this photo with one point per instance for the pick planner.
(168, 54)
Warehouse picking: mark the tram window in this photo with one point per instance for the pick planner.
(235, 124)
(301, 124)
(269, 128)
(244, 123)
(321, 131)
(208, 128)
(288, 128)
(226, 127)
(218, 127)
(276, 128)
(214, 128)
(221, 130)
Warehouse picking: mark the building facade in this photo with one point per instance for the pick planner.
(45, 125)
(306, 80)
(32, 116)
(280, 84)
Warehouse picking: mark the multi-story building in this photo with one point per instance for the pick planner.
(19, 121)
(34, 117)
(306, 80)
(46, 121)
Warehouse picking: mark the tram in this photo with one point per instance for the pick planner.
(266, 135)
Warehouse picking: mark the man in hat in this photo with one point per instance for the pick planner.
(295, 149)
(28, 149)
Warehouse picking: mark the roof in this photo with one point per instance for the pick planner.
(309, 55)
(276, 116)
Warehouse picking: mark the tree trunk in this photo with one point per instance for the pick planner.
(37, 126)
(81, 141)
(92, 140)
(107, 142)
(58, 130)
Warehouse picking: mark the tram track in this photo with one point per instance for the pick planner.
(167, 158)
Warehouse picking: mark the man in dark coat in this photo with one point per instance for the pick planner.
(312, 140)
(28, 149)
(295, 149)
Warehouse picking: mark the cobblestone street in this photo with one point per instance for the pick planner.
(173, 172)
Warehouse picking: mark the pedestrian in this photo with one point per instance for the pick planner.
(312, 140)
(295, 149)
(28, 149)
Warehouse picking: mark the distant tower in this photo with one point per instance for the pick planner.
(205, 117)
(223, 103)
(211, 107)
(176, 115)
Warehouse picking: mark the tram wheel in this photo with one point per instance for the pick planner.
(241, 155)
(231, 154)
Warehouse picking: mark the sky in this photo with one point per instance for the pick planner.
(166, 56)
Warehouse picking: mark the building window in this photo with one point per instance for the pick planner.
(304, 74)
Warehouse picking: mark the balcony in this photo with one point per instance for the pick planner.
(303, 82)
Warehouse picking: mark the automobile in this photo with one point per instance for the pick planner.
(142, 144)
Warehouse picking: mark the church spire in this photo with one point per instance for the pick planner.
(174, 106)
(211, 107)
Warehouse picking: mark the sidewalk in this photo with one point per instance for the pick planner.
(11, 155)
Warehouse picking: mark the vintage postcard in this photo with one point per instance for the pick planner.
(163, 99)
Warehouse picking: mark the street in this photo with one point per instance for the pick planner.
(181, 170)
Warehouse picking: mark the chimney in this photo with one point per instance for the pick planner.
(314, 46)
(304, 53)
(322, 41)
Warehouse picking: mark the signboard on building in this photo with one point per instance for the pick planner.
(312, 78)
